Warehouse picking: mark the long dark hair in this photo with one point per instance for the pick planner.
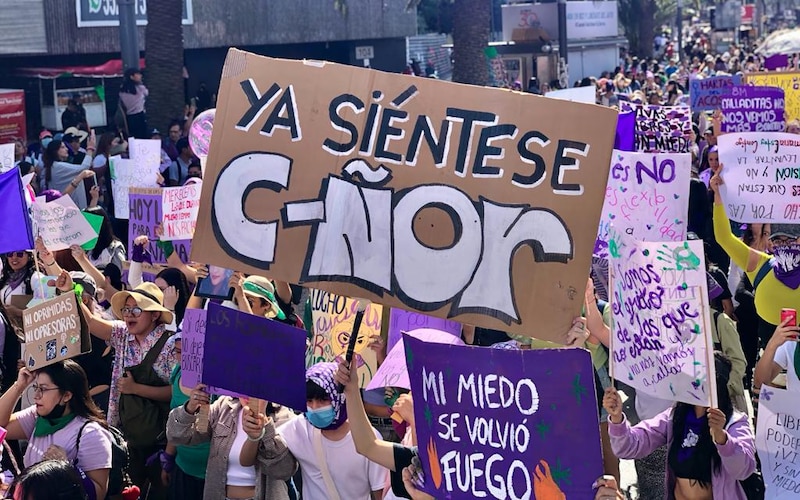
(30, 268)
(68, 375)
(105, 237)
(176, 278)
(705, 444)
(114, 275)
(104, 144)
(50, 156)
(128, 85)
(49, 479)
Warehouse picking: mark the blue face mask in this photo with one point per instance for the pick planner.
(322, 417)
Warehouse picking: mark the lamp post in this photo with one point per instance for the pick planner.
(680, 29)
(563, 50)
(128, 36)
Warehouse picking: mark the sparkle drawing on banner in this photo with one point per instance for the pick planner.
(333, 317)
(761, 177)
(647, 197)
(777, 438)
(661, 343)
(502, 423)
(661, 129)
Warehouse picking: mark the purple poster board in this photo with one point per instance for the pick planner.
(542, 401)
(255, 356)
(625, 139)
(753, 109)
(193, 338)
(661, 129)
(401, 320)
(145, 215)
(706, 93)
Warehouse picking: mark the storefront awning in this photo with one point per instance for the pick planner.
(110, 69)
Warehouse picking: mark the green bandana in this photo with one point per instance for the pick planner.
(45, 427)
(796, 358)
(263, 292)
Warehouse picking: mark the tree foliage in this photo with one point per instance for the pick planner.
(640, 19)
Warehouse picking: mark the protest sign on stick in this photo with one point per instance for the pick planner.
(706, 93)
(661, 340)
(753, 109)
(267, 351)
(761, 178)
(333, 318)
(54, 332)
(661, 129)
(193, 339)
(61, 223)
(413, 193)
(180, 206)
(6, 157)
(777, 438)
(401, 321)
(647, 197)
(146, 152)
(127, 174)
(788, 81)
(145, 215)
(501, 424)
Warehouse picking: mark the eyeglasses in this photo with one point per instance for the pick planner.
(18, 255)
(38, 390)
(133, 311)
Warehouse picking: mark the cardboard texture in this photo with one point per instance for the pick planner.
(475, 204)
(54, 331)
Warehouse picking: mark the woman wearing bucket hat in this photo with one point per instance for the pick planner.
(140, 388)
(256, 295)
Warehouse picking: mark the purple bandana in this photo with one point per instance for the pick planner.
(714, 288)
(322, 375)
(786, 265)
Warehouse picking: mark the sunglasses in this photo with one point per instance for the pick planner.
(135, 311)
(18, 255)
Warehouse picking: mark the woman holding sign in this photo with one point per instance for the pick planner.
(248, 460)
(64, 424)
(710, 449)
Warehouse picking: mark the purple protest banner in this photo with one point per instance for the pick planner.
(393, 372)
(401, 321)
(625, 140)
(777, 61)
(193, 338)
(706, 93)
(753, 109)
(504, 423)
(255, 356)
(145, 215)
(661, 129)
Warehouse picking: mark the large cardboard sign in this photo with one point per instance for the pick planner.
(54, 332)
(789, 82)
(762, 181)
(497, 423)
(647, 197)
(661, 343)
(475, 204)
(777, 436)
(661, 129)
(753, 109)
(145, 215)
(241, 351)
(333, 319)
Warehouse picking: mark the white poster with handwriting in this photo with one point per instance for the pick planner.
(661, 343)
(761, 174)
(180, 206)
(128, 173)
(147, 152)
(61, 223)
(647, 197)
(778, 442)
(6, 157)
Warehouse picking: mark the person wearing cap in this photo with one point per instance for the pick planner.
(74, 116)
(132, 96)
(256, 295)
(73, 139)
(142, 322)
(775, 278)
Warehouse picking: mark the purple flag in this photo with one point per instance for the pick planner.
(17, 233)
(255, 356)
(753, 109)
(518, 421)
(778, 61)
(624, 140)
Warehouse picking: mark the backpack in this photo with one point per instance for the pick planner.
(118, 478)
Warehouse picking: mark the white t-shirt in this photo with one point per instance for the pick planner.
(784, 357)
(354, 476)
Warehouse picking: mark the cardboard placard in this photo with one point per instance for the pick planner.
(761, 178)
(180, 206)
(145, 215)
(519, 422)
(788, 81)
(753, 109)
(661, 341)
(410, 192)
(54, 331)
(647, 197)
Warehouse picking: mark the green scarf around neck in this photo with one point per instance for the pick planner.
(46, 427)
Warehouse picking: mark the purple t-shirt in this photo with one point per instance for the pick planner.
(95, 450)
